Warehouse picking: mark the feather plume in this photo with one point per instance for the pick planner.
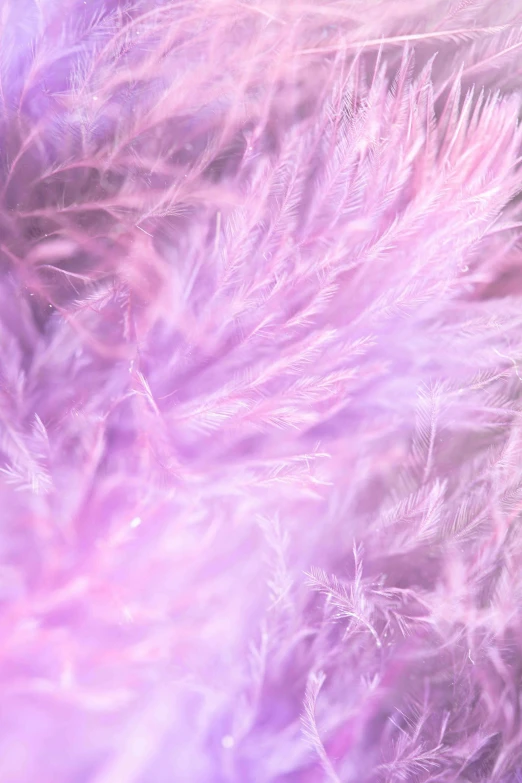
(260, 391)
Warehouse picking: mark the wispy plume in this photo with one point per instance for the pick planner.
(260, 391)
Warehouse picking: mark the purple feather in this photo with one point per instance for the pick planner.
(260, 391)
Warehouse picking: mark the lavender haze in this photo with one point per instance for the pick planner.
(260, 391)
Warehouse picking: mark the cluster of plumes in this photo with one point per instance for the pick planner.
(260, 391)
